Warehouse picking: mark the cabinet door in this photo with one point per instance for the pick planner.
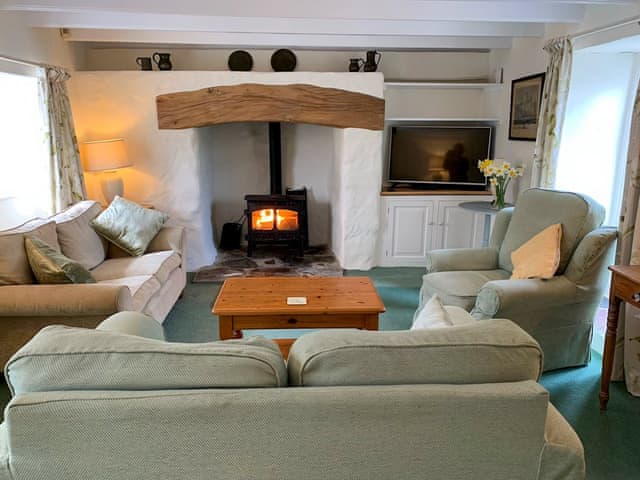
(457, 227)
(407, 237)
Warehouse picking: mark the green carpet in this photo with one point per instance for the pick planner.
(610, 439)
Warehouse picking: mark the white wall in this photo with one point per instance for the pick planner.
(185, 172)
(41, 45)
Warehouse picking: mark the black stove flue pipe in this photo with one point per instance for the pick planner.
(275, 158)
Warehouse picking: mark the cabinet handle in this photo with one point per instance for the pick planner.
(292, 321)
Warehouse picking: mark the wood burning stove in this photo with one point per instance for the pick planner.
(277, 219)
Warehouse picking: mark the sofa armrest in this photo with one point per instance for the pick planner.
(168, 238)
(64, 300)
(501, 298)
(448, 260)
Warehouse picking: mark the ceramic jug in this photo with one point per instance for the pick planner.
(373, 59)
(162, 60)
(354, 64)
(144, 63)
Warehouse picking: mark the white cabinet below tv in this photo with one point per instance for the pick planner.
(412, 225)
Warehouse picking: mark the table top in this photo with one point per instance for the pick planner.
(632, 272)
(484, 207)
(268, 295)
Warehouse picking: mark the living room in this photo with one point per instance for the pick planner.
(460, 73)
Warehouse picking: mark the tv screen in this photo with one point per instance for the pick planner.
(439, 154)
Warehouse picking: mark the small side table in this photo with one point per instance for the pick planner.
(489, 210)
(625, 287)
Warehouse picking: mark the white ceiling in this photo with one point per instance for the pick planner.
(326, 24)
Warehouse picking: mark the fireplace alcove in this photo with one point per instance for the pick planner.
(298, 104)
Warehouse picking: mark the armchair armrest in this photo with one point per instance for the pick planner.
(501, 298)
(168, 238)
(447, 260)
(64, 300)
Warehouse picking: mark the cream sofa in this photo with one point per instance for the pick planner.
(455, 403)
(150, 283)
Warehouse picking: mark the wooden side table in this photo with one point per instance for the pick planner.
(625, 287)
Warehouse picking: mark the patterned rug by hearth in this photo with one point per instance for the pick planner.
(267, 262)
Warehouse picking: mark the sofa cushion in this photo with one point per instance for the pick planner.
(431, 315)
(540, 256)
(459, 288)
(537, 208)
(480, 352)
(78, 240)
(14, 265)
(51, 266)
(128, 225)
(142, 288)
(158, 264)
(68, 358)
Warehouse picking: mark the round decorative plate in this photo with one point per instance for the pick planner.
(240, 61)
(283, 60)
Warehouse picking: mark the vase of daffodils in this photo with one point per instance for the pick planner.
(500, 174)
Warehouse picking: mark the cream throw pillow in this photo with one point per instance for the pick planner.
(540, 256)
(432, 315)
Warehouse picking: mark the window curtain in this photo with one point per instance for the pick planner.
(67, 182)
(552, 109)
(627, 352)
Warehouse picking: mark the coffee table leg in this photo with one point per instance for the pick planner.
(371, 322)
(225, 328)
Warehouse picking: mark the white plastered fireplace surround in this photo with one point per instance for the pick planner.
(168, 163)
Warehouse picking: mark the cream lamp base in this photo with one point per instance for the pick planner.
(112, 185)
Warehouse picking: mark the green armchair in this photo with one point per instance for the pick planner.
(557, 312)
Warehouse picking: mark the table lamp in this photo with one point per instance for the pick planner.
(107, 156)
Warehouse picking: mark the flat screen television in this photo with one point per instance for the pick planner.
(439, 155)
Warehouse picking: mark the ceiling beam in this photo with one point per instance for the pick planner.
(434, 10)
(252, 40)
(311, 26)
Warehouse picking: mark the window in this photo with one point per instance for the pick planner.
(594, 138)
(25, 185)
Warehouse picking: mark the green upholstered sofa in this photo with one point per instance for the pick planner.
(455, 403)
(150, 283)
(557, 312)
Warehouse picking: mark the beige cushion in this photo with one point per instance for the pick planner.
(481, 352)
(128, 225)
(431, 315)
(540, 256)
(51, 266)
(158, 264)
(66, 358)
(14, 265)
(78, 240)
(142, 288)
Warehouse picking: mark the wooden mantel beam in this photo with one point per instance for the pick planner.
(250, 102)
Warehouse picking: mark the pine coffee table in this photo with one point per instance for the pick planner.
(279, 302)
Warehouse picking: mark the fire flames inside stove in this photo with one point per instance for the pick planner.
(274, 219)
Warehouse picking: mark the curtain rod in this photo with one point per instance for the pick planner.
(24, 62)
(606, 28)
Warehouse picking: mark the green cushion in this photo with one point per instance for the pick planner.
(128, 225)
(479, 352)
(50, 266)
(66, 358)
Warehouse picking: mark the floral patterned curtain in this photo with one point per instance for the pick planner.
(67, 181)
(627, 352)
(552, 108)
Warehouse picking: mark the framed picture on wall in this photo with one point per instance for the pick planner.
(526, 95)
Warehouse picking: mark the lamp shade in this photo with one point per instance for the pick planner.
(105, 155)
